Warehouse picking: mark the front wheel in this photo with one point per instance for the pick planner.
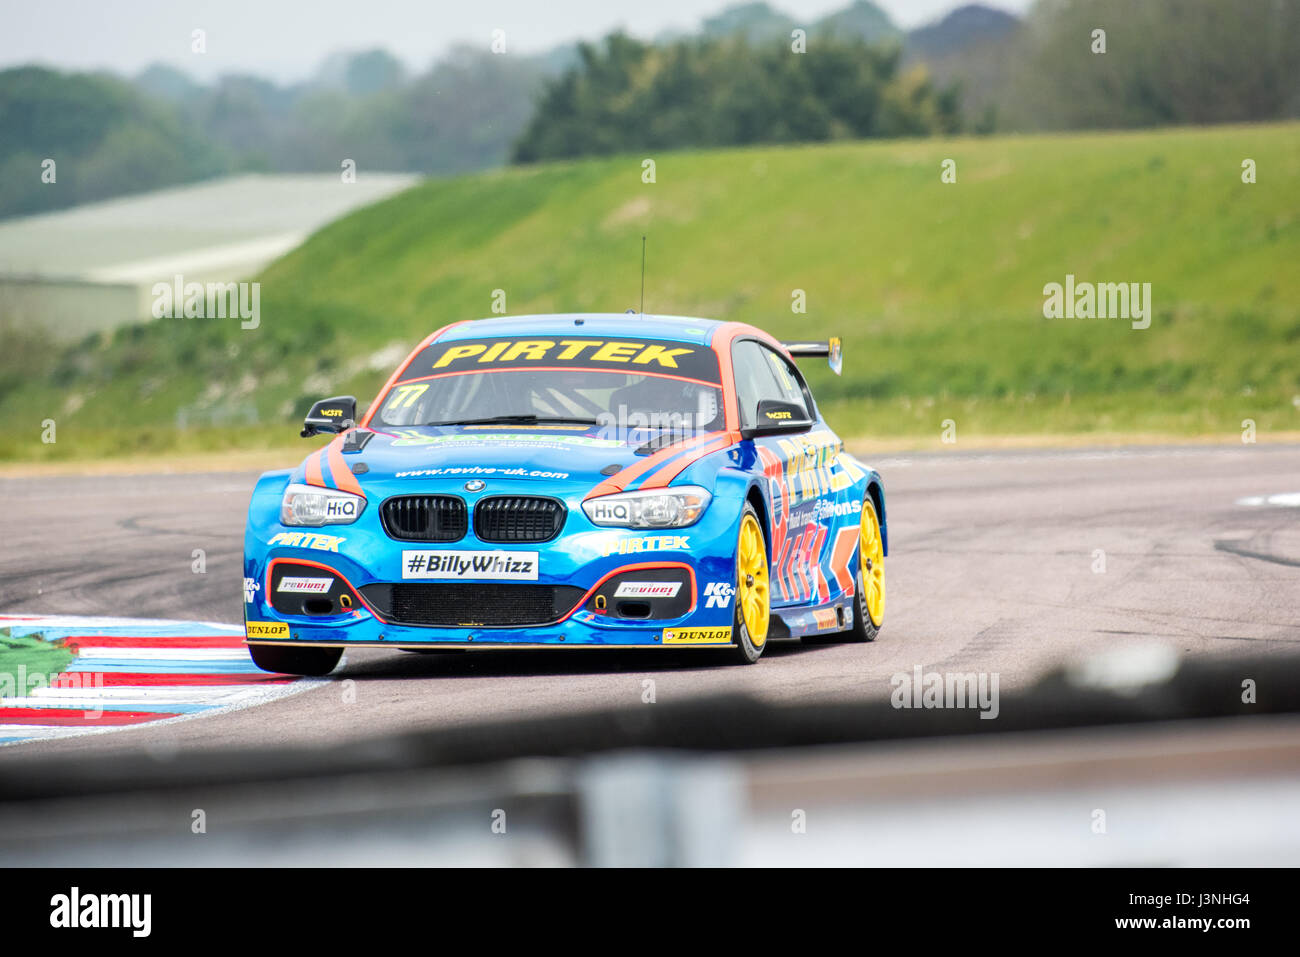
(753, 611)
(285, 660)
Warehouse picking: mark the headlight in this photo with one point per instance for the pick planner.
(309, 505)
(650, 508)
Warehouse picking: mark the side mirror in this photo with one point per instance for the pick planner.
(331, 415)
(775, 417)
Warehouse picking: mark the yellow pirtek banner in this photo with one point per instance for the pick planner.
(664, 357)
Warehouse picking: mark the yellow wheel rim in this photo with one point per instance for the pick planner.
(751, 580)
(872, 556)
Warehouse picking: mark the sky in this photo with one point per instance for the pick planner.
(287, 39)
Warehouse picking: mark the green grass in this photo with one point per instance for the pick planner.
(33, 653)
(936, 289)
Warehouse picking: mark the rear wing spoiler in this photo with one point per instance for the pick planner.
(830, 349)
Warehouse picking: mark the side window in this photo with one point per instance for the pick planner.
(763, 374)
(753, 380)
(789, 385)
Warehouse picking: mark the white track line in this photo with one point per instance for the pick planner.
(1282, 499)
(265, 695)
(198, 700)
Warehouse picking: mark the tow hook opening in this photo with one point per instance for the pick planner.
(318, 606)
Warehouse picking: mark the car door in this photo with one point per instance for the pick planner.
(799, 470)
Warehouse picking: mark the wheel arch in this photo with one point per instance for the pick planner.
(754, 496)
(877, 492)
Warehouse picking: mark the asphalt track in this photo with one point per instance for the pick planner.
(995, 566)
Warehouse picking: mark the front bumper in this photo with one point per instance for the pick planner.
(593, 621)
(582, 559)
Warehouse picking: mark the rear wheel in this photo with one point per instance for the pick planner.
(869, 602)
(295, 661)
(868, 584)
(753, 612)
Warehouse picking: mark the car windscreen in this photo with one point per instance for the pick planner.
(635, 383)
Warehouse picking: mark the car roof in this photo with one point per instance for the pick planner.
(676, 328)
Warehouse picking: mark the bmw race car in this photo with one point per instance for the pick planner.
(590, 481)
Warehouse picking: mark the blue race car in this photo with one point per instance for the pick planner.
(570, 481)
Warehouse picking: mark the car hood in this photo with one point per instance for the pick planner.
(415, 457)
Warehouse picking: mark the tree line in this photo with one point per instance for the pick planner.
(624, 95)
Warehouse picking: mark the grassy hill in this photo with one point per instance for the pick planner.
(937, 289)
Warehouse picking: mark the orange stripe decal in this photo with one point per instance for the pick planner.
(675, 468)
(315, 476)
(342, 475)
(846, 540)
(620, 479)
(722, 339)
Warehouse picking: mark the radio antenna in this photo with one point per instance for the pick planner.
(643, 275)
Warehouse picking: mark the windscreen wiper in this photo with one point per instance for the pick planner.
(519, 420)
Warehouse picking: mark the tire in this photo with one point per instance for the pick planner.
(869, 590)
(284, 660)
(752, 616)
